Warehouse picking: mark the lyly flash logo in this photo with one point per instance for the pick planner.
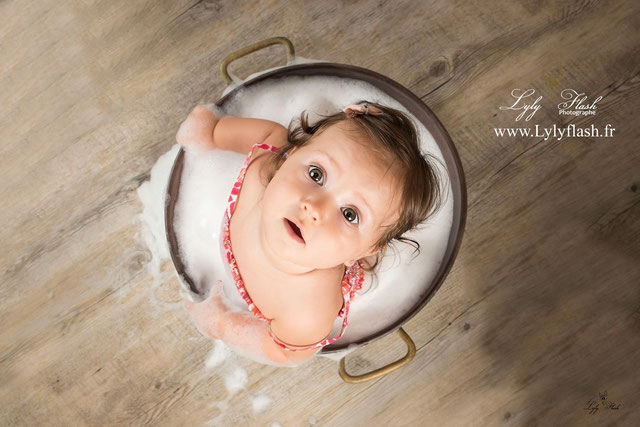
(525, 103)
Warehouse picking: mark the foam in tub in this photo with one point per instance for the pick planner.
(402, 279)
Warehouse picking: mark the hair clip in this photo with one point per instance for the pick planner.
(364, 108)
(288, 153)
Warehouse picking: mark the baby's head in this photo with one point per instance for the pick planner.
(386, 150)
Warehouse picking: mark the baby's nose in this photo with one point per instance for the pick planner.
(314, 209)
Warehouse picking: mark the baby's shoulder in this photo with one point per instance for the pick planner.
(320, 303)
(306, 316)
(257, 176)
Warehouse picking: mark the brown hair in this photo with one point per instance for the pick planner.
(394, 136)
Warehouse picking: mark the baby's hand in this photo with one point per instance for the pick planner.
(197, 129)
(208, 313)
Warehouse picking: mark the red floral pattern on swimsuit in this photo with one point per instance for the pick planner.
(351, 281)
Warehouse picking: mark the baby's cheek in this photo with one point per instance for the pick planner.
(358, 247)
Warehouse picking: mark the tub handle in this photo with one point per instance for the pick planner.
(288, 46)
(411, 352)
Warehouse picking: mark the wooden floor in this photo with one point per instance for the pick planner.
(539, 315)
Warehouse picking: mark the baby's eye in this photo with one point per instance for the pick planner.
(316, 174)
(350, 215)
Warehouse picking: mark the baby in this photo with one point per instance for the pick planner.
(313, 208)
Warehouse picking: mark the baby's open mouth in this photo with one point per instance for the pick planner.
(294, 230)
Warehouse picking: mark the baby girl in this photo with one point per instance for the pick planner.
(313, 208)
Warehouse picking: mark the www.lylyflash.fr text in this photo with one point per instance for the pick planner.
(570, 131)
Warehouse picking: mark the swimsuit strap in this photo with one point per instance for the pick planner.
(226, 234)
(235, 191)
(351, 281)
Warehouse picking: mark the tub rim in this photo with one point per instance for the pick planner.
(419, 110)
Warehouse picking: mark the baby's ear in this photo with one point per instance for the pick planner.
(370, 259)
(376, 250)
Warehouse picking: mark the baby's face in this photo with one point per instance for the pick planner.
(328, 204)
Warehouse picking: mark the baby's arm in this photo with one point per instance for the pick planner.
(241, 330)
(203, 129)
(197, 129)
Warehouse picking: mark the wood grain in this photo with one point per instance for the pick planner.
(540, 313)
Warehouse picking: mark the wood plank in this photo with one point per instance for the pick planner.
(539, 314)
